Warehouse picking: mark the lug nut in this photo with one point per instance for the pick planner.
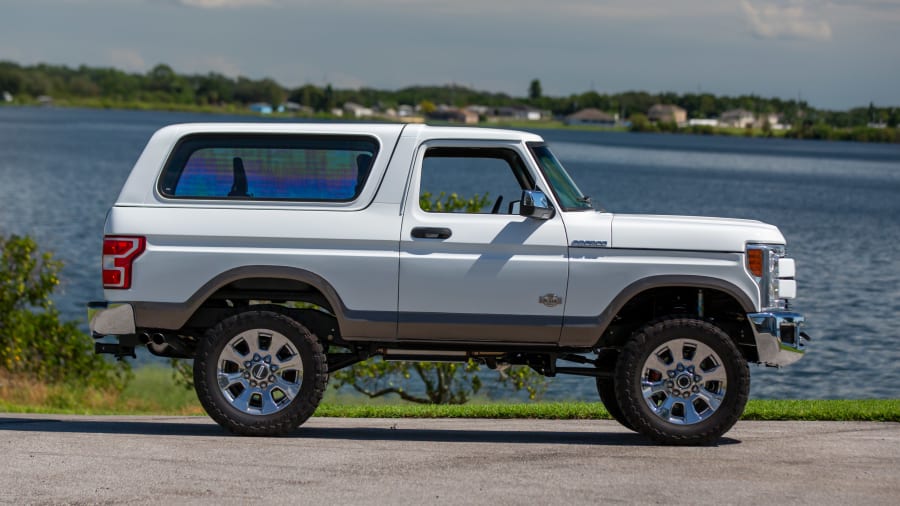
(263, 385)
(252, 383)
(671, 374)
(268, 359)
(247, 363)
(272, 378)
(686, 395)
(273, 367)
(679, 368)
(670, 384)
(256, 357)
(246, 375)
(695, 389)
(697, 378)
(690, 369)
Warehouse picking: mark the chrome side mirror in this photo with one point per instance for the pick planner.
(535, 205)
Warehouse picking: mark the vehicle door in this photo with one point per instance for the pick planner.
(471, 268)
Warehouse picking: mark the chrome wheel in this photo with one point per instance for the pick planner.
(259, 372)
(683, 381)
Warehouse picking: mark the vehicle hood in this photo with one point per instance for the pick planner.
(689, 233)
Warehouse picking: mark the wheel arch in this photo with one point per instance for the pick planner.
(262, 282)
(653, 297)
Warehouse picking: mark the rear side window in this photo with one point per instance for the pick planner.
(269, 167)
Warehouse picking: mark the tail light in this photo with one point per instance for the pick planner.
(119, 253)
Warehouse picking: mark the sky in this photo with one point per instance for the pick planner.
(835, 54)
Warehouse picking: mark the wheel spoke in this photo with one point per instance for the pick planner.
(690, 413)
(666, 407)
(268, 404)
(656, 363)
(231, 355)
(242, 402)
(716, 373)
(712, 398)
(292, 363)
(651, 388)
(703, 352)
(228, 379)
(289, 389)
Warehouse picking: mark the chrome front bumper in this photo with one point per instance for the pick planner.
(779, 341)
(110, 319)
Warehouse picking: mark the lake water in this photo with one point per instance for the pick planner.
(838, 204)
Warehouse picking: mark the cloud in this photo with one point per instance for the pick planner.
(791, 20)
(127, 59)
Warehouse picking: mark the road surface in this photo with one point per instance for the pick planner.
(53, 459)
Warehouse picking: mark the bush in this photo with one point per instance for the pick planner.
(34, 343)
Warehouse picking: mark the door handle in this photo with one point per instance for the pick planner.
(431, 233)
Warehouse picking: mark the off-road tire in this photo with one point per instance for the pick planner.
(630, 368)
(606, 387)
(314, 376)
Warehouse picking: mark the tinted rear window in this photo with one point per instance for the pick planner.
(269, 167)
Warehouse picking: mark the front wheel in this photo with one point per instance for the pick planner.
(682, 381)
(260, 373)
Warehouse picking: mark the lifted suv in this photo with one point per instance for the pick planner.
(259, 249)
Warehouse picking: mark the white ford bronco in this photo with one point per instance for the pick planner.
(275, 254)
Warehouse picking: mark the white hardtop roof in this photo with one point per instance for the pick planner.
(423, 132)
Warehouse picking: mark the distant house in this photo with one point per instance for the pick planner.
(296, 108)
(738, 118)
(590, 116)
(772, 119)
(711, 122)
(405, 111)
(453, 115)
(357, 111)
(261, 107)
(667, 113)
(515, 112)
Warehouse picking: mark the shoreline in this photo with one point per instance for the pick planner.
(828, 133)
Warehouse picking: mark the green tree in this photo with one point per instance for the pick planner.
(427, 106)
(429, 382)
(34, 343)
(640, 123)
(534, 89)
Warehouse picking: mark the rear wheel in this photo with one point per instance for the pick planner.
(682, 381)
(260, 373)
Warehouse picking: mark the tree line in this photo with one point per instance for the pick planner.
(162, 85)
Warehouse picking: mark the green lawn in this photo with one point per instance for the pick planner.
(153, 391)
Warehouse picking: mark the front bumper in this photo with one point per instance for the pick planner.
(779, 341)
(110, 319)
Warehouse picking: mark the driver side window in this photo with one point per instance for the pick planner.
(472, 180)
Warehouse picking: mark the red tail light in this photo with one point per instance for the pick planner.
(119, 253)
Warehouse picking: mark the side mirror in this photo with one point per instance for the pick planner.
(535, 205)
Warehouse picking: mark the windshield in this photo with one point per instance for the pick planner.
(568, 195)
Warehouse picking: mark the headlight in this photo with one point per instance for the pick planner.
(773, 273)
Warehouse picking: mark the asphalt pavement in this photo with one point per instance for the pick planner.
(50, 459)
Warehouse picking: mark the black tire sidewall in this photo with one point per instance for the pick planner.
(310, 352)
(629, 370)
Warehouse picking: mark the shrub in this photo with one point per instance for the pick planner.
(34, 343)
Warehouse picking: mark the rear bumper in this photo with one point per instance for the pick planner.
(779, 341)
(110, 319)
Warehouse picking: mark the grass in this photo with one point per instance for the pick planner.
(153, 392)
